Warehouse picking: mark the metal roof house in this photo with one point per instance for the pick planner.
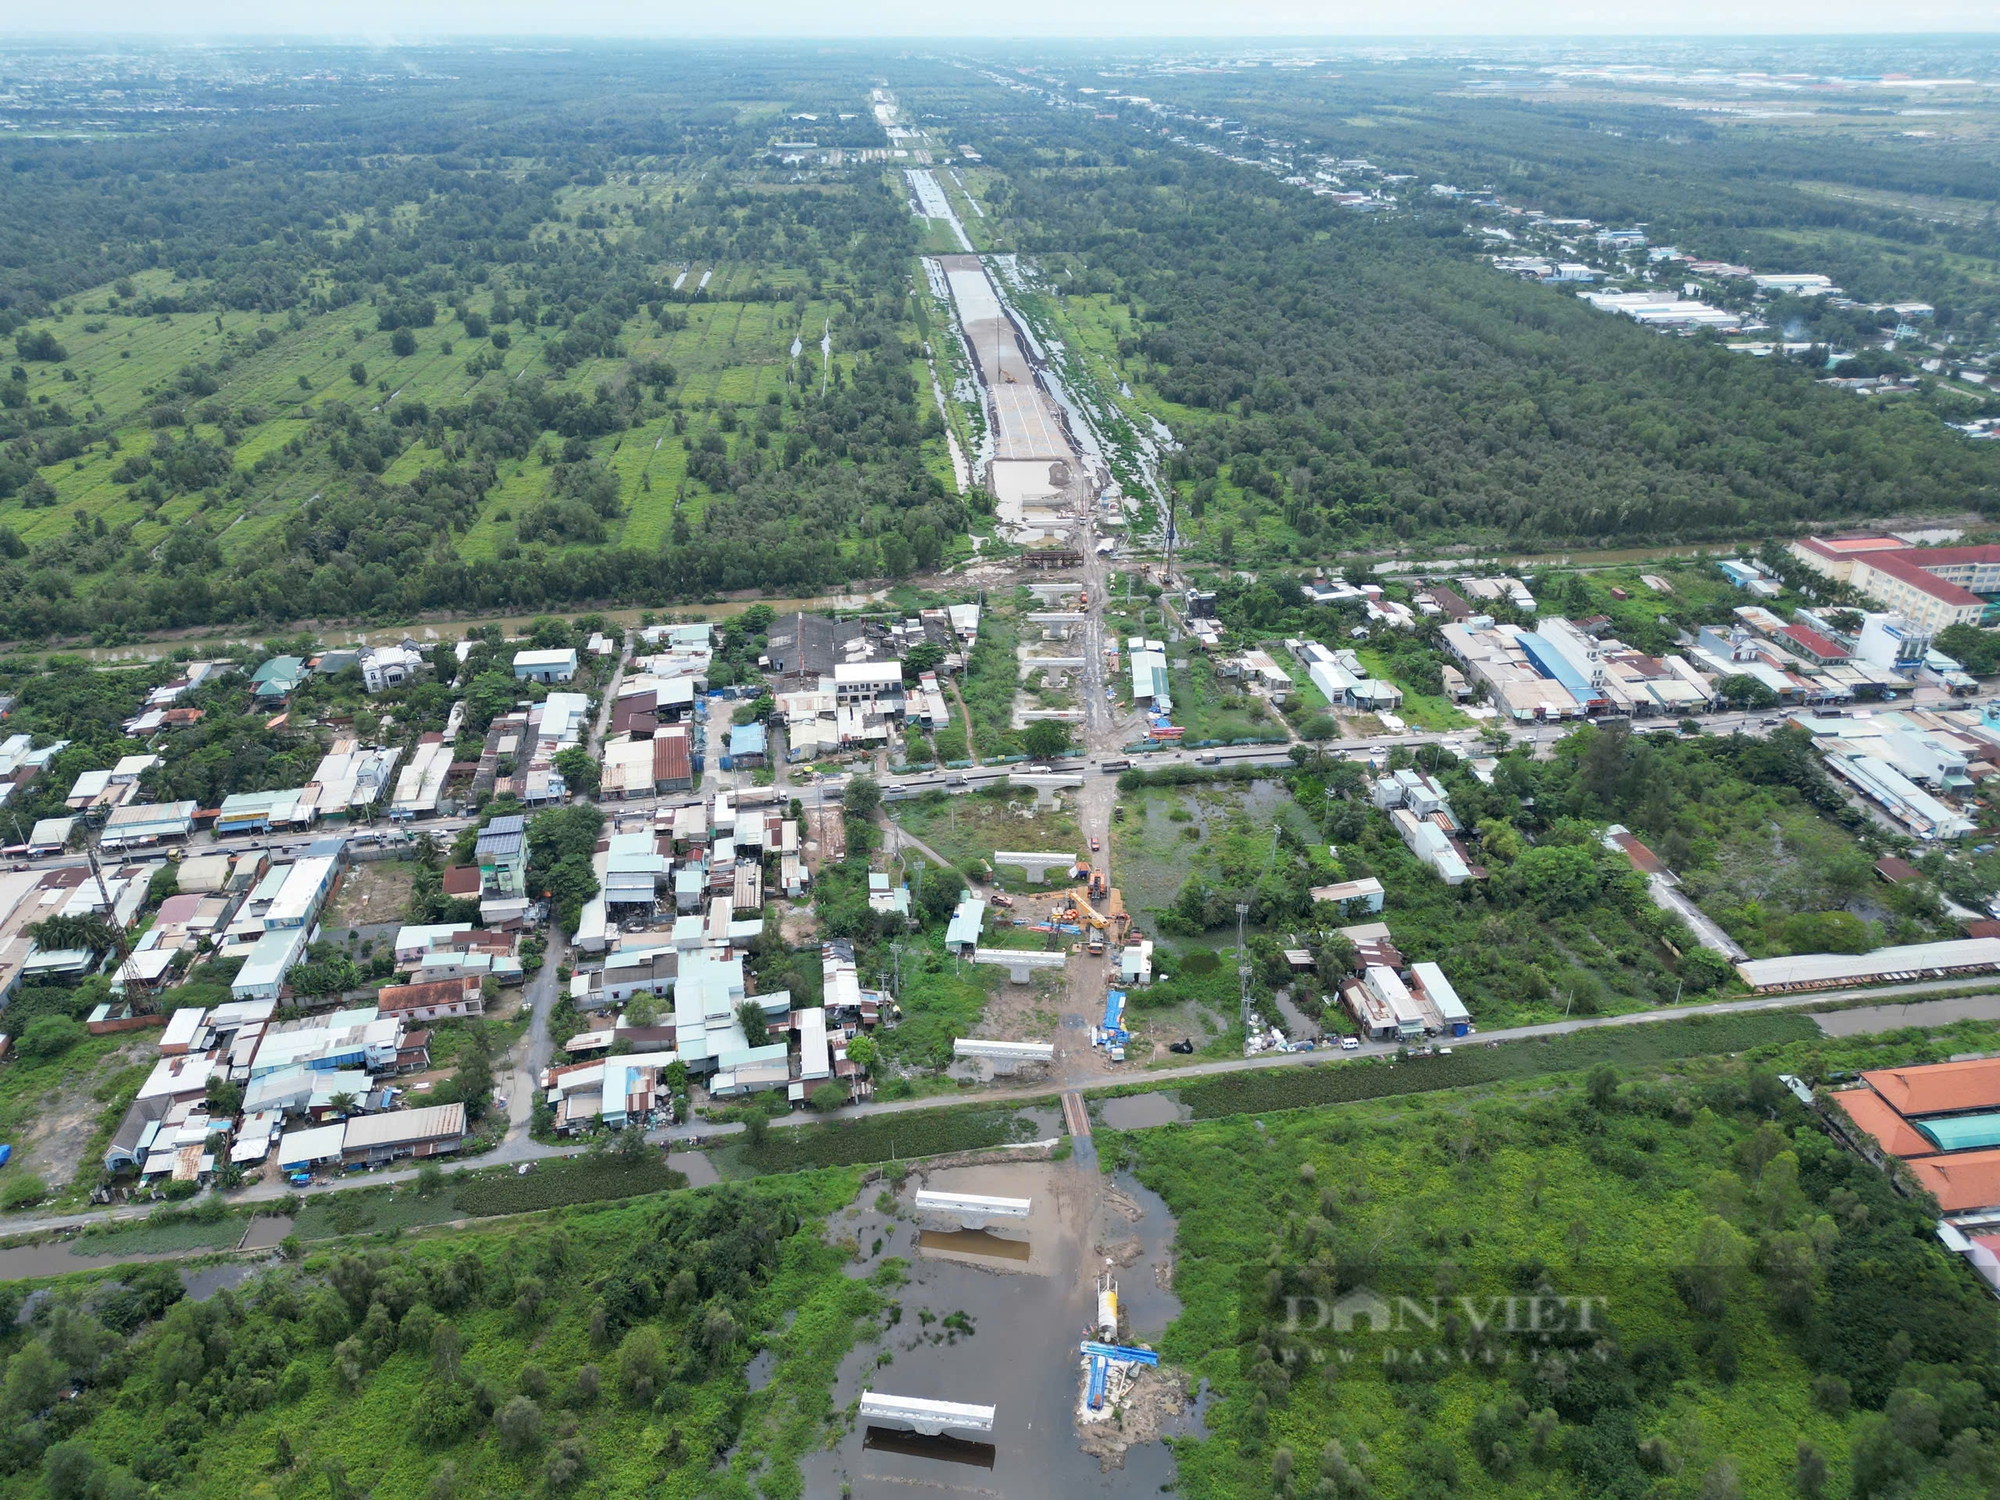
(545, 666)
(278, 679)
(502, 855)
(967, 918)
(147, 823)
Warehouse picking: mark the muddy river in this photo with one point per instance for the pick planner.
(994, 1317)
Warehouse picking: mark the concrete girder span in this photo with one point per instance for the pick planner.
(973, 1210)
(973, 1046)
(1046, 786)
(1018, 961)
(921, 1415)
(1034, 866)
(1057, 617)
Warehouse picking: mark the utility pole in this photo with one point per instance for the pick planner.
(1242, 968)
(110, 916)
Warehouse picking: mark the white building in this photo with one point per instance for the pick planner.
(390, 666)
(545, 666)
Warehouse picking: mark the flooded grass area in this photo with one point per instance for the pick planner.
(994, 1317)
(695, 1166)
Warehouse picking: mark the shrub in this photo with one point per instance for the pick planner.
(581, 1179)
(519, 1424)
(642, 1363)
(21, 1192)
(49, 1036)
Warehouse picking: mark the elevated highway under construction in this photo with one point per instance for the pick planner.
(1040, 480)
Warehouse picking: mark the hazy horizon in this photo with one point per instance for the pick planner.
(380, 21)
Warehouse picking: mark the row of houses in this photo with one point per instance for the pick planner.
(1393, 1000)
(1421, 814)
(323, 1074)
(679, 904)
(1559, 671)
(1343, 680)
(1919, 766)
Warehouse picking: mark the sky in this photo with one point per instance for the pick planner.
(393, 20)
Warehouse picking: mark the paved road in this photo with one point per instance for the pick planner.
(1983, 1005)
(519, 1147)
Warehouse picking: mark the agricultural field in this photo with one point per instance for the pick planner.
(1764, 1306)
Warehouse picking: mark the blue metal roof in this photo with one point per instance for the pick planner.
(1549, 662)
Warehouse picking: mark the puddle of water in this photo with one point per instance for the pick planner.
(1141, 1111)
(1048, 1123)
(699, 1169)
(982, 1244)
(206, 1282)
(267, 1231)
(761, 1368)
(1028, 1295)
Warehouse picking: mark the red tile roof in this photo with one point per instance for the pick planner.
(1813, 644)
(1965, 1180)
(1644, 860)
(1903, 565)
(1939, 1088)
(1945, 556)
(1846, 546)
(1891, 1131)
(461, 881)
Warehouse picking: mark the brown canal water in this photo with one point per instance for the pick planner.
(53, 1258)
(1026, 1292)
(1142, 1111)
(266, 1231)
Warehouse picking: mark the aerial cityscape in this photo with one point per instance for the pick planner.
(808, 766)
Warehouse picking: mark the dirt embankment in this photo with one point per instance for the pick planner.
(1153, 1402)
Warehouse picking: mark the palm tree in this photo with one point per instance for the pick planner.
(343, 1103)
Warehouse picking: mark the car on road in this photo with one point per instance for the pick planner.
(1094, 845)
(1349, 1044)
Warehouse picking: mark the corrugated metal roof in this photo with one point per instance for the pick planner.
(1962, 1132)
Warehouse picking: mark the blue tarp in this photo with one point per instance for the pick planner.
(1124, 1353)
(1114, 1010)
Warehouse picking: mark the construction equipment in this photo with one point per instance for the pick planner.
(1074, 906)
